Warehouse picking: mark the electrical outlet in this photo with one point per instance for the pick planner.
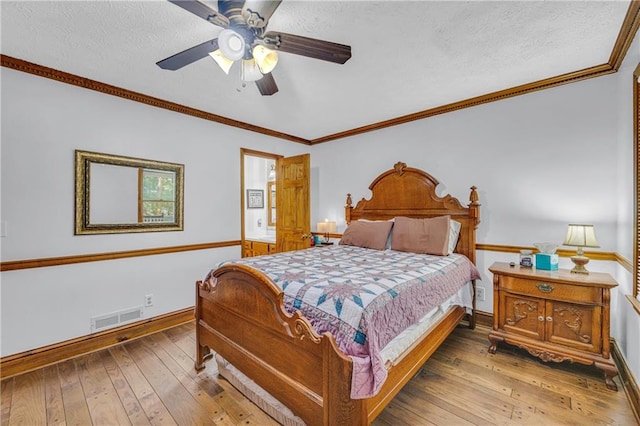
(480, 294)
(148, 300)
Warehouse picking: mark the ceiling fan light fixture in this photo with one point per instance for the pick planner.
(231, 44)
(265, 58)
(224, 62)
(250, 70)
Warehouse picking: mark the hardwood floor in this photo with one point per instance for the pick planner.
(151, 381)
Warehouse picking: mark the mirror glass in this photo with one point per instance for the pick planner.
(116, 194)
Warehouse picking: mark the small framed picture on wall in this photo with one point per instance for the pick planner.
(255, 198)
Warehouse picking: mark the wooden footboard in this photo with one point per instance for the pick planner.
(240, 315)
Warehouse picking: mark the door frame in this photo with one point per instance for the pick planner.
(252, 153)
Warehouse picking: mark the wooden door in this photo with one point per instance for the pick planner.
(293, 215)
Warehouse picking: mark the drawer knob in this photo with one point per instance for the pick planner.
(540, 318)
(549, 319)
(545, 288)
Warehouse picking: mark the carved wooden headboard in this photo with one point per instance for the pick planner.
(409, 192)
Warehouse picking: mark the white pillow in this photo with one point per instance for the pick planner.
(454, 233)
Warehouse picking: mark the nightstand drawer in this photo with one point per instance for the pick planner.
(552, 290)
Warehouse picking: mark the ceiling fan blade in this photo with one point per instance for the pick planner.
(305, 46)
(203, 11)
(267, 85)
(257, 12)
(188, 56)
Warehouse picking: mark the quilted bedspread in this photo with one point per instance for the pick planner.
(363, 297)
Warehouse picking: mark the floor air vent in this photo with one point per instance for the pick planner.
(116, 318)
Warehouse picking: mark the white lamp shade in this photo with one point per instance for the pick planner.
(265, 58)
(224, 62)
(231, 44)
(327, 227)
(250, 71)
(581, 236)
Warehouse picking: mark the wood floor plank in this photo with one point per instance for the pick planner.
(425, 409)
(177, 336)
(484, 405)
(150, 402)
(128, 398)
(5, 400)
(205, 381)
(183, 408)
(28, 404)
(401, 413)
(479, 376)
(229, 401)
(53, 397)
(103, 401)
(207, 401)
(74, 401)
(256, 415)
(485, 382)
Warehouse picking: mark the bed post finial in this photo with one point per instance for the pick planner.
(474, 206)
(347, 209)
(473, 197)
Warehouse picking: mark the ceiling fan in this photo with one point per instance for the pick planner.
(244, 38)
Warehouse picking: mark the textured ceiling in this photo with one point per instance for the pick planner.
(407, 56)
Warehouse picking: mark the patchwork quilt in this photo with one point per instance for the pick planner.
(363, 297)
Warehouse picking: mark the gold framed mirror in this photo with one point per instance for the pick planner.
(117, 194)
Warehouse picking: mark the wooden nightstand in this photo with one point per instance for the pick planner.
(554, 315)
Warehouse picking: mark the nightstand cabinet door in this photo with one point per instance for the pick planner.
(522, 315)
(576, 326)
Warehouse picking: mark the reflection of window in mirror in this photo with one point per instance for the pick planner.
(157, 196)
(271, 203)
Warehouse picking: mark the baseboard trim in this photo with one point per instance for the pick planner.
(23, 362)
(484, 318)
(626, 377)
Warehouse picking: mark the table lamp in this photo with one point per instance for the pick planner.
(580, 236)
(326, 228)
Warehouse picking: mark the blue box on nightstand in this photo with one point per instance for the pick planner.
(548, 262)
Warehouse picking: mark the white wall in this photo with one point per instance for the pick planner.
(43, 122)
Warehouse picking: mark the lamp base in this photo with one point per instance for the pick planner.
(579, 261)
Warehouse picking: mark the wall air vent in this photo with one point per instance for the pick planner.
(124, 316)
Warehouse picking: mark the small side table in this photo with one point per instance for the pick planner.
(554, 315)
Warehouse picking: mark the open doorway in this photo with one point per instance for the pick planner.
(258, 217)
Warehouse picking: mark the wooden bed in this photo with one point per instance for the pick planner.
(282, 353)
